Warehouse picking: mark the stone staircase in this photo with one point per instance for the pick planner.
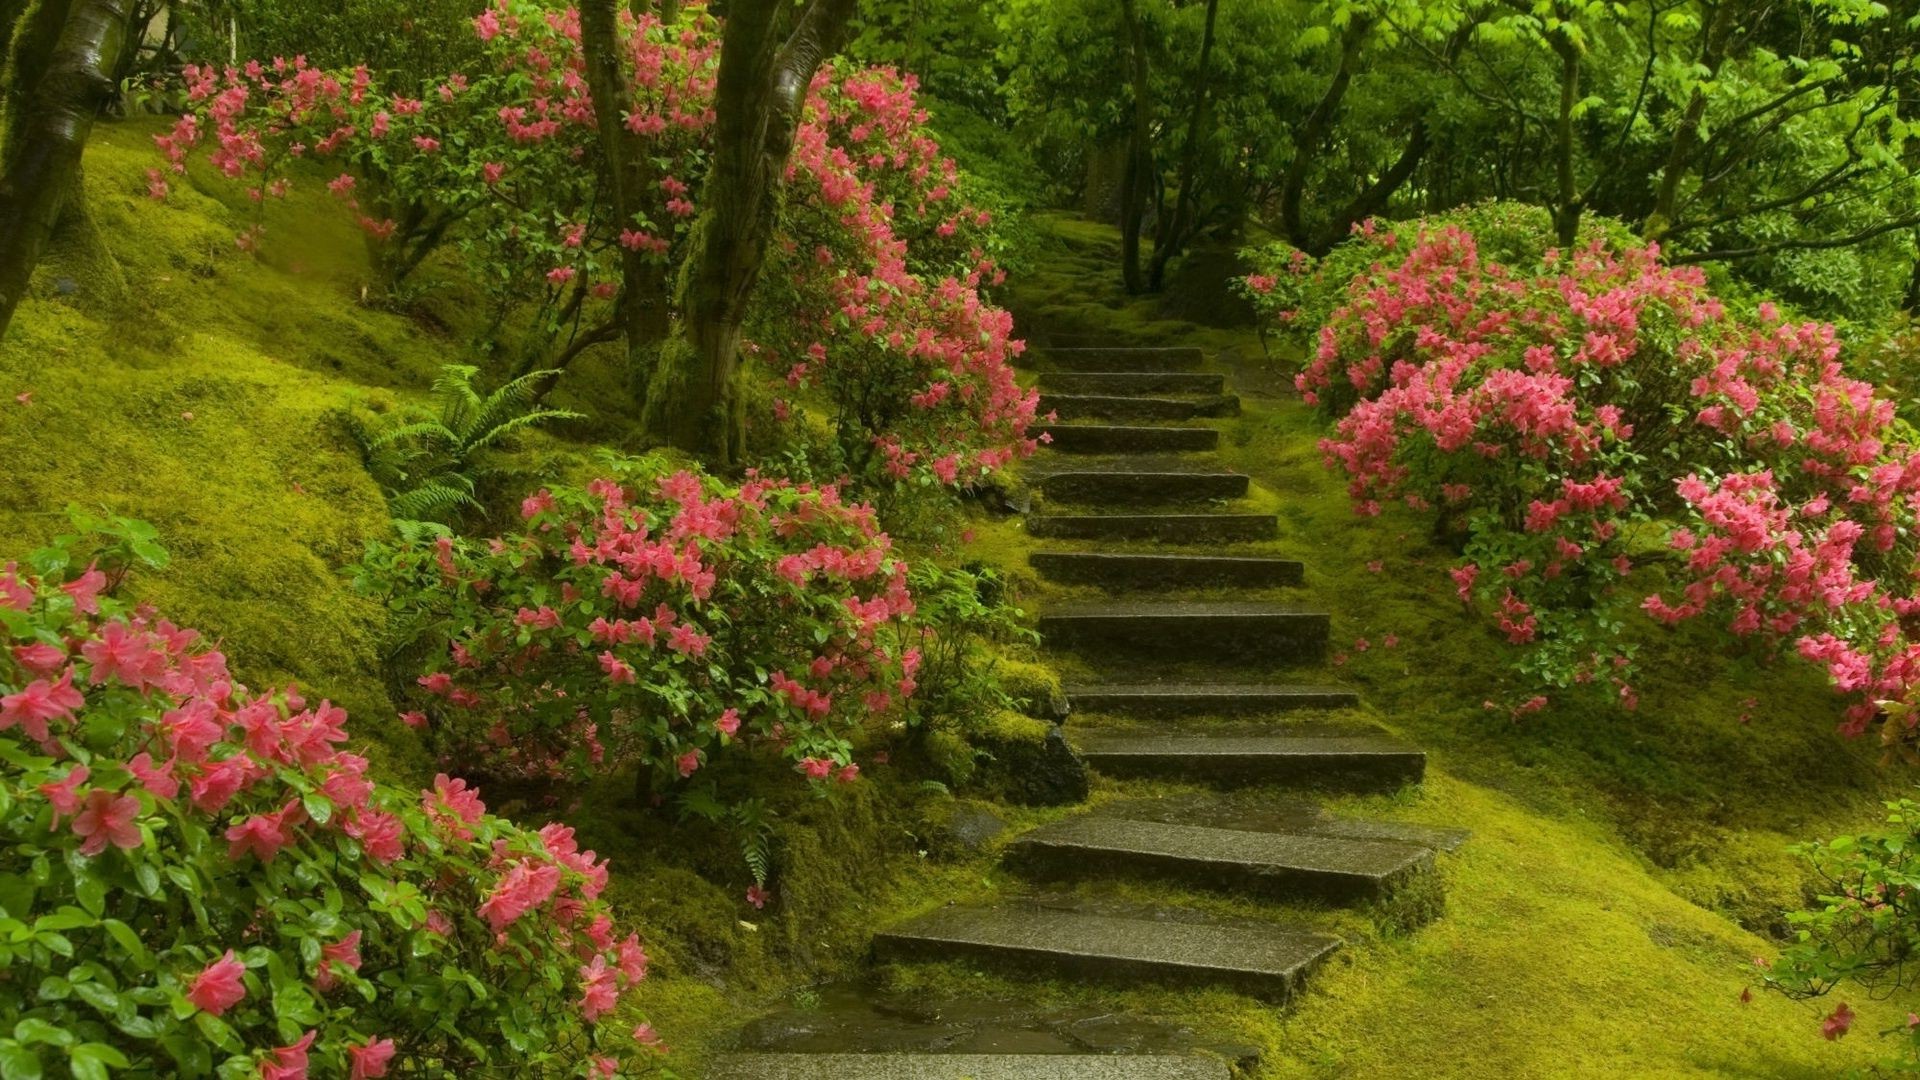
(1185, 650)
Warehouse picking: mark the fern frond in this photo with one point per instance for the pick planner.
(431, 430)
(514, 425)
(435, 498)
(453, 391)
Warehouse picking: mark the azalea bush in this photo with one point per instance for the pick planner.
(652, 621)
(202, 879)
(1605, 438)
(1864, 927)
(875, 301)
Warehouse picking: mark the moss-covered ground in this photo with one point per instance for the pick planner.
(1624, 870)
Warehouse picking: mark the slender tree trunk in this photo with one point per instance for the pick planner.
(643, 305)
(762, 87)
(1374, 198)
(1175, 228)
(1135, 182)
(29, 51)
(48, 136)
(1686, 135)
(1314, 131)
(1567, 199)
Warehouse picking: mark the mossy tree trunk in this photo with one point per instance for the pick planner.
(642, 314)
(762, 86)
(47, 134)
(1135, 183)
(1178, 227)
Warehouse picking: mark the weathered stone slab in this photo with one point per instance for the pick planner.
(1128, 439)
(966, 1067)
(1109, 358)
(1206, 699)
(1116, 407)
(1130, 383)
(1168, 528)
(1340, 762)
(1152, 571)
(1188, 629)
(1265, 961)
(1137, 486)
(1271, 864)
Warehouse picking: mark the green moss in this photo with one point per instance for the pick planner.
(1034, 687)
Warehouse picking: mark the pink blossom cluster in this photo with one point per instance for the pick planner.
(1605, 434)
(128, 736)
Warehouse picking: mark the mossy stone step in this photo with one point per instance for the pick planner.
(1168, 528)
(1132, 383)
(1203, 629)
(1275, 865)
(1343, 762)
(894, 1066)
(1123, 358)
(1267, 961)
(1128, 438)
(1206, 699)
(1116, 570)
(1144, 484)
(1124, 407)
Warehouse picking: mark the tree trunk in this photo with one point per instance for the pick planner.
(1686, 135)
(1567, 200)
(762, 87)
(1136, 181)
(1374, 198)
(1314, 131)
(1176, 228)
(643, 305)
(47, 138)
(30, 50)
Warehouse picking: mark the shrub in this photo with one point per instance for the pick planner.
(201, 879)
(1865, 928)
(1605, 415)
(654, 621)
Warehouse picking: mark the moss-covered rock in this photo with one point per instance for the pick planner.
(1028, 761)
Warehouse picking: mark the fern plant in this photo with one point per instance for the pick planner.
(432, 463)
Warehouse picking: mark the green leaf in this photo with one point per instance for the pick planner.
(34, 1030)
(129, 941)
(18, 1062)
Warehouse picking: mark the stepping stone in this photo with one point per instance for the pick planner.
(1171, 528)
(1127, 439)
(1266, 961)
(1342, 762)
(1121, 570)
(1206, 699)
(1276, 865)
(1188, 628)
(1142, 484)
(966, 1067)
(1132, 383)
(1109, 358)
(1121, 407)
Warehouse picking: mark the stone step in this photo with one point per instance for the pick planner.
(894, 1066)
(1123, 358)
(1265, 961)
(1141, 485)
(1131, 571)
(1132, 383)
(1168, 528)
(1202, 629)
(1206, 699)
(1127, 438)
(1344, 762)
(1122, 407)
(1276, 865)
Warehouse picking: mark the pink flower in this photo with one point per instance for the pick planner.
(1837, 1024)
(649, 1038)
(262, 834)
(816, 768)
(85, 590)
(756, 896)
(107, 818)
(414, 719)
(289, 1062)
(64, 793)
(687, 763)
(370, 1060)
(599, 992)
(342, 955)
(492, 171)
(41, 701)
(560, 275)
(729, 722)
(426, 144)
(218, 987)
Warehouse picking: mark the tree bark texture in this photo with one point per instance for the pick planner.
(1313, 133)
(46, 139)
(1136, 182)
(762, 87)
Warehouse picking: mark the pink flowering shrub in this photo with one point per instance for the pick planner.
(202, 879)
(656, 622)
(1603, 414)
(875, 301)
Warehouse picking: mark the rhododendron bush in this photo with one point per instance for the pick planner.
(1607, 436)
(200, 878)
(655, 621)
(873, 298)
